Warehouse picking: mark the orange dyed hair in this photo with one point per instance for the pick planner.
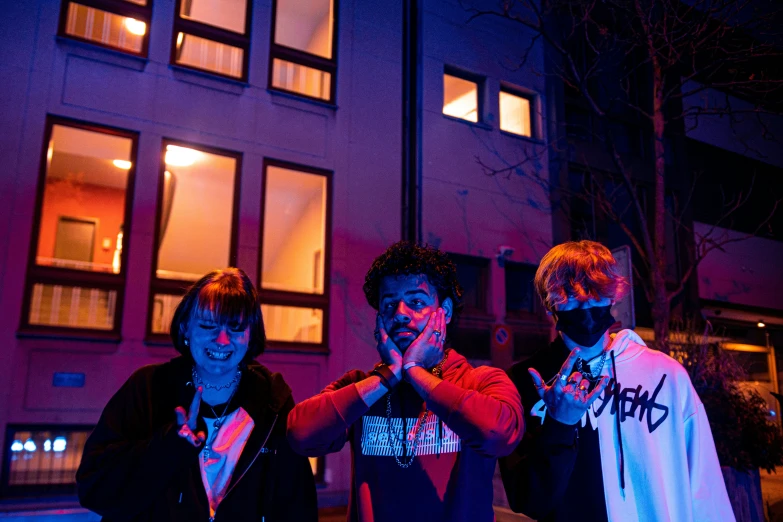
(582, 269)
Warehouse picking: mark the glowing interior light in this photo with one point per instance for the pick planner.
(17, 446)
(59, 444)
(180, 156)
(29, 445)
(136, 27)
(761, 324)
(122, 164)
(47, 445)
(180, 38)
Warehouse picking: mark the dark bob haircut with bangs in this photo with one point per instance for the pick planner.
(228, 297)
(407, 258)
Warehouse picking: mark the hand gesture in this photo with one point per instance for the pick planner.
(389, 352)
(567, 399)
(427, 349)
(187, 422)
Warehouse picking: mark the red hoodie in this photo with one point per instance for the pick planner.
(475, 417)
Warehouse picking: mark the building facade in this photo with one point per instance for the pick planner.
(146, 142)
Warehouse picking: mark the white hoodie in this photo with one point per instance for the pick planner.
(670, 467)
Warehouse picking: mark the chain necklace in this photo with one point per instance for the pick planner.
(583, 367)
(216, 387)
(219, 419)
(403, 439)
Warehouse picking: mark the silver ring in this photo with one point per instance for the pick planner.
(563, 378)
(437, 333)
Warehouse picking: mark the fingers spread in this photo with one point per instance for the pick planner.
(569, 362)
(182, 417)
(194, 406)
(597, 391)
(538, 382)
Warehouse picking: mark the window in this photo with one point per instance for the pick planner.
(295, 254)
(520, 294)
(77, 262)
(472, 273)
(515, 111)
(461, 97)
(303, 58)
(116, 24)
(196, 231)
(42, 459)
(212, 36)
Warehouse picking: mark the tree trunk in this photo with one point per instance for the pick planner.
(660, 304)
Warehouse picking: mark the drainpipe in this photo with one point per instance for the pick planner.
(411, 120)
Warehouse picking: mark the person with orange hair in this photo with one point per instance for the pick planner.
(615, 430)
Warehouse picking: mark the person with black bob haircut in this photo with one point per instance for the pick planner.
(224, 458)
(424, 426)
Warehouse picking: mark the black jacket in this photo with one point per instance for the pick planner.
(136, 468)
(555, 473)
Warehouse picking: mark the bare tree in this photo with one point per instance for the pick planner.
(650, 59)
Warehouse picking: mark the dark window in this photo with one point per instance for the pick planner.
(303, 52)
(473, 275)
(473, 343)
(212, 36)
(294, 261)
(42, 460)
(197, 224)
(76, 274)
(116, 24)
(520, 294)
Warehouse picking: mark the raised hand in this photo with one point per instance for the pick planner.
(187, 421)
(567, 399)
(427, 349)
(389, 352)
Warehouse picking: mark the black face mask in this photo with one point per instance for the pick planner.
(585, 326)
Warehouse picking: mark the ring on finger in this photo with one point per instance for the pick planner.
(437, 333)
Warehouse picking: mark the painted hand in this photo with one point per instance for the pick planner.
(567, 399)
(427, 349)
(187, 421)
(389, 352)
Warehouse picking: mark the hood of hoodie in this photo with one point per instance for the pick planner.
(626, 345)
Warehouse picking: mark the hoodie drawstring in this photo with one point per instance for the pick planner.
(617, 414)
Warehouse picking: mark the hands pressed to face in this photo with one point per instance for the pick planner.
(567, 399)
(426, 349)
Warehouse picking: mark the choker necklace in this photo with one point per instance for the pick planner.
(413, 446)
(583, 367)
(217, 387)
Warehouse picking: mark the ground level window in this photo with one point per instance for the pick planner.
(42, 459)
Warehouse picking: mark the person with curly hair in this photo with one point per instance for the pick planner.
(616, 431)
(425, 428)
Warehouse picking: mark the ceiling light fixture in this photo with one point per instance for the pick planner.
(181, 156)
(122, 164)
(136, 27)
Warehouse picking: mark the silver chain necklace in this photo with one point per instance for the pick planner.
(219, 419)
(403, 439)
(583, 367)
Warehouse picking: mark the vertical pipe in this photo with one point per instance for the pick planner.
(411, 120)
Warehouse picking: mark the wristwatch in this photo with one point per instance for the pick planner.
(388, 379)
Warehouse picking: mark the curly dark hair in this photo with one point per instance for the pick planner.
(407, 258)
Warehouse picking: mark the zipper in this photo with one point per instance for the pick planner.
(263, 449)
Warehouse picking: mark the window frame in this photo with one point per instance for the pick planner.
(483, 264)
(523, 316)
(214, 34)
(70, 276)
(532, 99)
(34, 490)
(479, 81)
(117, 7)
(298, 57)
(178, 286)
(298, 299)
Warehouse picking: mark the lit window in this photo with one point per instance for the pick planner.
(460, 98)
(303, 48)
(121, 25)
(213, 36)
(78, 264)
(43, 459)
(294, 253)
(515, 114)
(196, 218)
